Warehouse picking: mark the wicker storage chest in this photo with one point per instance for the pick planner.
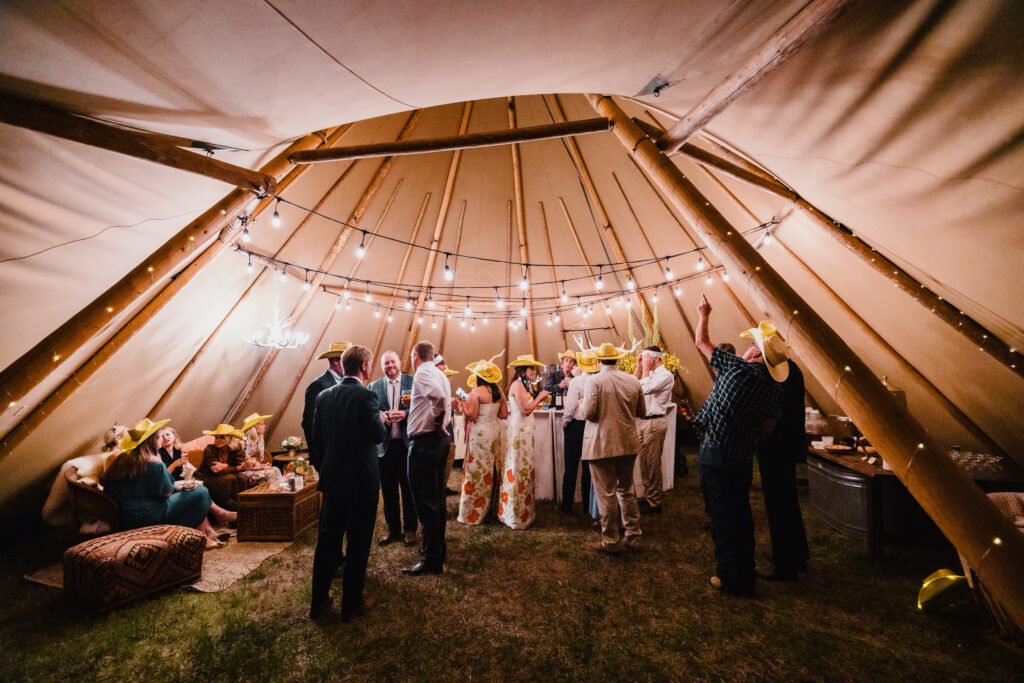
(277, 516)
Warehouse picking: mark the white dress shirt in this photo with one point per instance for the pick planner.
(572, 398)
(657, 388)
(431, 396)
(336, 376)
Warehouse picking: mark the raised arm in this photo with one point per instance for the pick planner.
(701, 338)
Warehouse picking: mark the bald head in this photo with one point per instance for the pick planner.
(390, 364)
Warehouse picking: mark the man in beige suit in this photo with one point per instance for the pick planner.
(611, 401)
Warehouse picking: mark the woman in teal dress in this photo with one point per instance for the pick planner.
(146, 494)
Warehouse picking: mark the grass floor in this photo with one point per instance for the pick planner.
(522, 605)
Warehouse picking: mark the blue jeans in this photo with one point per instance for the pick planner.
(725, 484)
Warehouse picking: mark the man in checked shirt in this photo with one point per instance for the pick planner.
(745, 401)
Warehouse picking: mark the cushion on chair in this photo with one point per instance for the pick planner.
(110, 570)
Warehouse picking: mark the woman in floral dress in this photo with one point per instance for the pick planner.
(515, 506)
(484, 410)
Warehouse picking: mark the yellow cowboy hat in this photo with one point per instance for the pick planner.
(587, 362)
(569, 353)
(940, 589)
(486, 370)
(252, 420)
(773, 347)
(224, 430)
(142, 430)
(448, 372)
(608, 351)
(337, 348)
(526, 361)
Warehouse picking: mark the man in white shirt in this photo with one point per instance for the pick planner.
(394, 452)
(573, 426)
(429, 412)
(656, 382)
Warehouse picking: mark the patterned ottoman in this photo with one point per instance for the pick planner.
(107, 571)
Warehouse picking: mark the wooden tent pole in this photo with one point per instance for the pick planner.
(458, 142)
(43, 360)
(435, 240)
(458, 247)
(332, 254)
(401, 271)
(43, 118)
(583, 255)
(814, 18)
(989, 541)
(524, 253)
(551, 260)
(264, 272)
(508, 284)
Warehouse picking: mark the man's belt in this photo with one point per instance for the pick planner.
(423, 435)
(652, 417)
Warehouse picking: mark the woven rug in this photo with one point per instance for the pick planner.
(221, 568)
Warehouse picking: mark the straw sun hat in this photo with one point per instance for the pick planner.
(224, 430)
(608, 351)
(773, 347)
(335, 351)
(142, 430)
(526, 361)
(569, 353)
(485, 370)
(587, 361)
(252, 421)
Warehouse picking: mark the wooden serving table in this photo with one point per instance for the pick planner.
(265, 515)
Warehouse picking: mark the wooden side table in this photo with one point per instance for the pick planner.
(265, 515)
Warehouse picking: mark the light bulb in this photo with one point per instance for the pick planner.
(361, 250)
(430, 301)
(512, 324)
(472, 327)
(337, 304)
(550, 321)
(245, 236)
(248, 268)
(700, 263)
(433, 324)
(276, 220)
(618, 302)
(305, 282)
(468, 311)
(767, 238)
(524, 284)
(448, 274)
(607, 309)
(346, 293)
(565, 297)
(557, 317)
(599, 284)
(366, 297)
(389, 317)
(668, 274)
(449, 315)
(284, 276)
(484, 319)
(654, 297)
(629, 303)
(522, 310)
(630, 284)
(376, 314)
(499, 303)
(677, 291)
(408, 303)
(707, 280)
(462, 323)
(578, 307)
(348, 306)
(725, 275)
(419, 320)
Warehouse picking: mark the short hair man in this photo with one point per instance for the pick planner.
(327, 380)
(656, 382)
(558, 381)
(399, 511)
(611, 401)
(348, 428)
(744, 402)
(428, 450)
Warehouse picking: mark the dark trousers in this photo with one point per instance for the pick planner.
(782, 507)
(341, 517)
(394, 487)
(726, 489)
(573, 452)
(428, 454)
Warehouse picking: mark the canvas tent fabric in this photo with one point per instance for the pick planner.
(902, 122)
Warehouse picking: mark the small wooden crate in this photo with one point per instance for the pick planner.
(277, 516)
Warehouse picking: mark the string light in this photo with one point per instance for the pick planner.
(346, 293)
(433, 323)
(524, 284)
(630, 283)
(565, 297)
(677, 291)
(419, 320)
(578, 307)
(557, 317)
(654, 297)
(361, 249)
(246, 237)
(767, 237)
(599, 283)
(366, 297)
(337, 304)
(408, 300)
(707, 280)
(700, 263)
(522, 309)
(448, 274)
(725, 276)
(284, 275)
(497, 300)
(305, 282)
(668, 272)
(484, 319)
(376, 314)
(389, 317)
(276, 220)
(430, 299)
(472, 326)
(468, 311)
(248, 268)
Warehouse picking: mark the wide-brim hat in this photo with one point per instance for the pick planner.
(224, 430)
(608, 351)
(569, 353)
(773, 347)
(449, 372)
(526, 361)
(940, 589)
(142, 430)
(252, 421)
(486, 370)
(587, 362)
(335, 351)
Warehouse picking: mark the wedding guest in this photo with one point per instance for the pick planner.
(146, 494)
(330, 377)
(573, 427)
(558, 381)
(220, 471)
(516, 505)
(399, 511)
(169, 450)
(744, 402)
(656, 382)
(611, 401)
(483, 410)
(255, 460)
(113, 436)
(450, 428)
(348, 427)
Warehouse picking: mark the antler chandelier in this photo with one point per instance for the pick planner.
(278, 335)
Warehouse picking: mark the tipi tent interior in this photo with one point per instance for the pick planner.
(850, 170)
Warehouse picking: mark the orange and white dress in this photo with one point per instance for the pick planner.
(483, 451)
(515, 504)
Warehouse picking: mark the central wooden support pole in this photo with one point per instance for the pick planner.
(488, 139)
(989, 541)
(524, 253)
(814, 18)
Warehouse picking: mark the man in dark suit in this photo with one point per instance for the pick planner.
(394, 451)
(325, 381)
(348, 430)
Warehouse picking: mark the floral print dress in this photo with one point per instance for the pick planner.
(515, 506)
(483, 451)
